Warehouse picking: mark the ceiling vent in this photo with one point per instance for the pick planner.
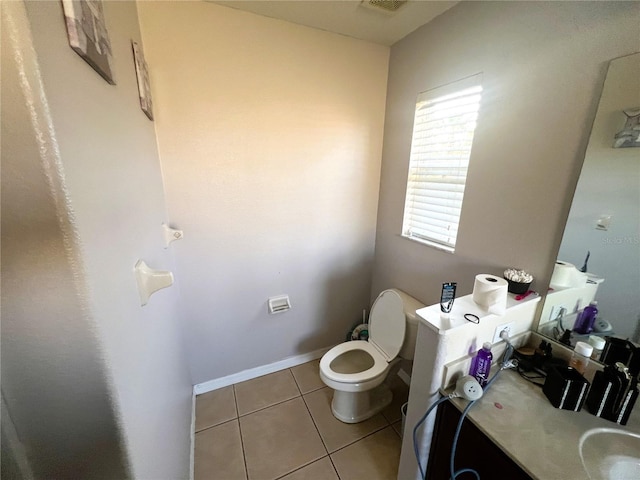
(388, 6)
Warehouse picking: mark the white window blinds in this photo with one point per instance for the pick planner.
(443, 129)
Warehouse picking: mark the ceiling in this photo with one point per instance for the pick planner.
(348, 17)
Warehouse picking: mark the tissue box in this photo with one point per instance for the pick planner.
(565, 388)
(612, 396)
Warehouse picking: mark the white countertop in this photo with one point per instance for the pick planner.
(540, 438)
(431, 315)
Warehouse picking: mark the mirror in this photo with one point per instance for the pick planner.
(603, 226)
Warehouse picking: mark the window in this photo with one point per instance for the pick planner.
(443, 129)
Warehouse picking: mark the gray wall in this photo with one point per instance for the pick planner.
(53, 378)
(96, 385)
(543, 65)
(270, 137)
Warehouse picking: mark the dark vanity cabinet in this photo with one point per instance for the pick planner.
(474, 451)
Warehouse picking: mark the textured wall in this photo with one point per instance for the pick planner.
(54, 379)
(543, 65)
(92, 331)
(270, 138)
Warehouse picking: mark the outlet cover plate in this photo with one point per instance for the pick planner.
(555, 311)
(500, 328)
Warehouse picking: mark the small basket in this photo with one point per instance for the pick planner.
(517, 287)
(512, 275)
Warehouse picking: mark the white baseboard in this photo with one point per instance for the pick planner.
(251, 373)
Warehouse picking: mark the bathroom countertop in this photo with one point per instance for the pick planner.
(431, 315)
(540, 438)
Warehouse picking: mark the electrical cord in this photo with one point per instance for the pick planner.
(455, 474)
(506, 363)
(559, 329)
(415, 431)
(531, 378)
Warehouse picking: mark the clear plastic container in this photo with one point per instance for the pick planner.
(580, 357)
(598, 344)
(481, 364)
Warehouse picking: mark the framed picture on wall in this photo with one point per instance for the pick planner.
(88, 35)
(144, 86)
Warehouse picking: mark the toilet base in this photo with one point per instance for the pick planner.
(355, 407)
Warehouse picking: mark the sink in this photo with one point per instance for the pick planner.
(610, 454)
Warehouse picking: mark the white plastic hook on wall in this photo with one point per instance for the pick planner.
(150, 280)
(171, 234)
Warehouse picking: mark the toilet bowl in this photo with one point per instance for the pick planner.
(356, 370)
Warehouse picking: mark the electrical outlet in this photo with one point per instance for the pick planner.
(555, 311)
(603, 222)
(505, 326)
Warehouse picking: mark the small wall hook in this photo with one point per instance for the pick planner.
(171, 234)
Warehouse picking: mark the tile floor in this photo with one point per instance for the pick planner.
(280, 426)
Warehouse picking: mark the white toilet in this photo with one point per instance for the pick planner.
(356, 370)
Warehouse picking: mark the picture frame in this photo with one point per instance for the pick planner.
(144, 84)
(88, 35)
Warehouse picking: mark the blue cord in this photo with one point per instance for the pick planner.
(507, 354)
(455, 474)
(415, 431)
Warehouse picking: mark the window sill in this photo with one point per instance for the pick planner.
(435, 245)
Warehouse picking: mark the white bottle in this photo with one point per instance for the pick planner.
(580, 357)
(598, 344)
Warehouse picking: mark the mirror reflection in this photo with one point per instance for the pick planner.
(599, 258)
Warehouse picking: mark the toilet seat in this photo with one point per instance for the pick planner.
(387, 325)
(380, 364)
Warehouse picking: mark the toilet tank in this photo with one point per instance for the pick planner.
(410, 306)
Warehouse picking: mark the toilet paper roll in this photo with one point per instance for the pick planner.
(490, 292)
(564, 274)
(579, 279)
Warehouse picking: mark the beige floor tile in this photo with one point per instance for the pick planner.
(279, 439)
(397, 426)
(265, 391)
(320, 470)
(400, 392)
(334, 433)
(307, 376)
(373, 458)
(215, 407)
(218, 453)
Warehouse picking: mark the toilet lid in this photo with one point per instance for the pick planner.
(387, 324)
